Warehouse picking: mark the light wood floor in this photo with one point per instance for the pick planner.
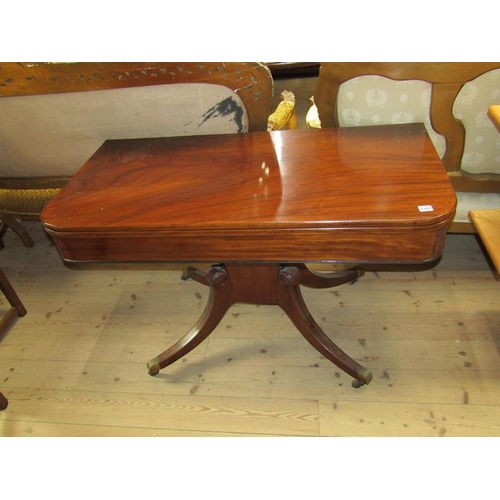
(75, 365)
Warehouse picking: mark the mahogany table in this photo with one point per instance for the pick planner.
(258, 207)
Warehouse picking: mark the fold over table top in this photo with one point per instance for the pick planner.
(350, 194)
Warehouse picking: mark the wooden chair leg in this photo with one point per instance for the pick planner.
(3, 230)
(17, 309)
(10, 222)
(3, 402)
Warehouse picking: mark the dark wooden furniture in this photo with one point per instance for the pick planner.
(293, 69)
(17, 309)
(258, 207)
(4, 402)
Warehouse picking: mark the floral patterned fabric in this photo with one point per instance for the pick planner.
(376, 100)
(482, 140)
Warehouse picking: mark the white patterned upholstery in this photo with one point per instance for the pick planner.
(482, 140)
(376, 100)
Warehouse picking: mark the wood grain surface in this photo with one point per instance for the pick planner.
(360, 194)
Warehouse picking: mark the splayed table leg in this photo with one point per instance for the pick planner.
(265, 284)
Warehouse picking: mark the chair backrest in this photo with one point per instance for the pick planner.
(53, 117)
(451, 99)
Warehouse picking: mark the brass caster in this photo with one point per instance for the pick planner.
(153, 367)
(357, 383)
(4, 402)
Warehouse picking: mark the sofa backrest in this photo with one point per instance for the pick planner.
(53, 117)
(482, 141)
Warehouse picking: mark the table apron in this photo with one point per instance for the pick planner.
(407, 244)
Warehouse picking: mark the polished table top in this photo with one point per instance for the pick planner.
(350, 194)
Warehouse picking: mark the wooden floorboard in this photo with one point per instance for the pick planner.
(75, 365)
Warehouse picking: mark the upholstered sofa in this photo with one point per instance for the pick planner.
(451, 99)
(53, 117)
